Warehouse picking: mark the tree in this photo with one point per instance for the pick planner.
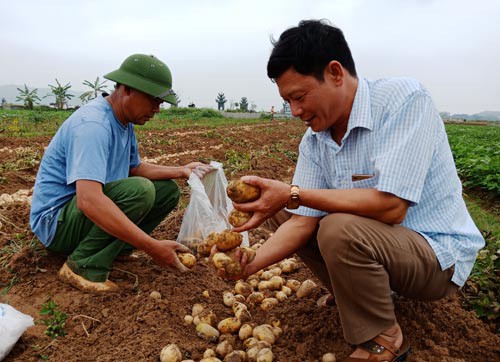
(96, 88)
(4, 103)
(29, 98)
(244, 104)
(253, 107)
(61, 94)
(221, 100)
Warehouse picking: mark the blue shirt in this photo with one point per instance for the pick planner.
(395, 133)
(90, 145)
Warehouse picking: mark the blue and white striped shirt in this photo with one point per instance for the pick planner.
(396, 134)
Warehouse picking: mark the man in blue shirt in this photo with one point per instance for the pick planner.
(376, 204)
(93, 198)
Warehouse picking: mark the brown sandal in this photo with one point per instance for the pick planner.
(382, 351)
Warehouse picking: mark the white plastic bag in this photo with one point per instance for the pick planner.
(12, 325)
(208, 208)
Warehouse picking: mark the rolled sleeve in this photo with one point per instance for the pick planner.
(405, 148)
(308, 174)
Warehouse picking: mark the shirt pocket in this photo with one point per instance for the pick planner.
(368, 183)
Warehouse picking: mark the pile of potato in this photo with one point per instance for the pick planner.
(238, 338)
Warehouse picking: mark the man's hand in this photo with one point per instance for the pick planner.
(273, 197)
(200, 169)
(164, 253)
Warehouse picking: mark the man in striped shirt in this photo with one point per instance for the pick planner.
(376, 204)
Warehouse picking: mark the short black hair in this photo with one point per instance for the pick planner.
(308, 48)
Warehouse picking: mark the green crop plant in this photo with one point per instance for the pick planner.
(476, 151)
(55, 320)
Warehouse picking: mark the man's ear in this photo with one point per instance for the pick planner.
(126, 89)
(335, 72)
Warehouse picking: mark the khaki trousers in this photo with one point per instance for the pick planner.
(362, 260)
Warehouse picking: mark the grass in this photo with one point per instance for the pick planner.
(42, 122)
(15, 246)
(482, 290)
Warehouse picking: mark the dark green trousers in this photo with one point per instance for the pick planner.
(91, 250)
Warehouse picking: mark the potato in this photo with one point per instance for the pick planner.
(236, 356)
(293, 284)
(253, 280)
(230, 266)
(252, 353)
(268, 303)
(170, 353)
(329, 357)
(188, 319)
(275, 283)
(281, 296)
(155, 295)
(206, 316)
(229, 325)
(228, 240)
(223, 349)
(206, 245)
(265, 355)
(239, 191)
(288, 265)
(264, 332)
(187, 259)
(197, 309)
(286, 290)
(227, 263)
(238, 218)
(250, 342)
(245, 331)
(255, 298)
(210, 359)
(203, 248)
(306, 288)
(206, 331)
(241, 312)
(277, 331)
(228, 298)
(243, 288)
(208, 353)
(240, 298)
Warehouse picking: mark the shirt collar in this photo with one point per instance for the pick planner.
(361, 115)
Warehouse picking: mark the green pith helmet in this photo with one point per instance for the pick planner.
(147, 74)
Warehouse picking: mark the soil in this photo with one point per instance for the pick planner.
(132, 326)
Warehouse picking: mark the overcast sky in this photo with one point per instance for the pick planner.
(451, 46)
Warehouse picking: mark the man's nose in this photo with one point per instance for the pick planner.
(296, 109)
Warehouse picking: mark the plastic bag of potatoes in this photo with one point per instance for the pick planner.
(208, 209)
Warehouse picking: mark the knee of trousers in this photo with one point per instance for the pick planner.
(142, 189)
(168, 193)
(336, 237)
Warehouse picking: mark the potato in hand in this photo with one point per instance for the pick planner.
(241, 192)
(228, 263)
(187, 259)
(238, 218)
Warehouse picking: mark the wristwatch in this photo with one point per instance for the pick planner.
(294, 200)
